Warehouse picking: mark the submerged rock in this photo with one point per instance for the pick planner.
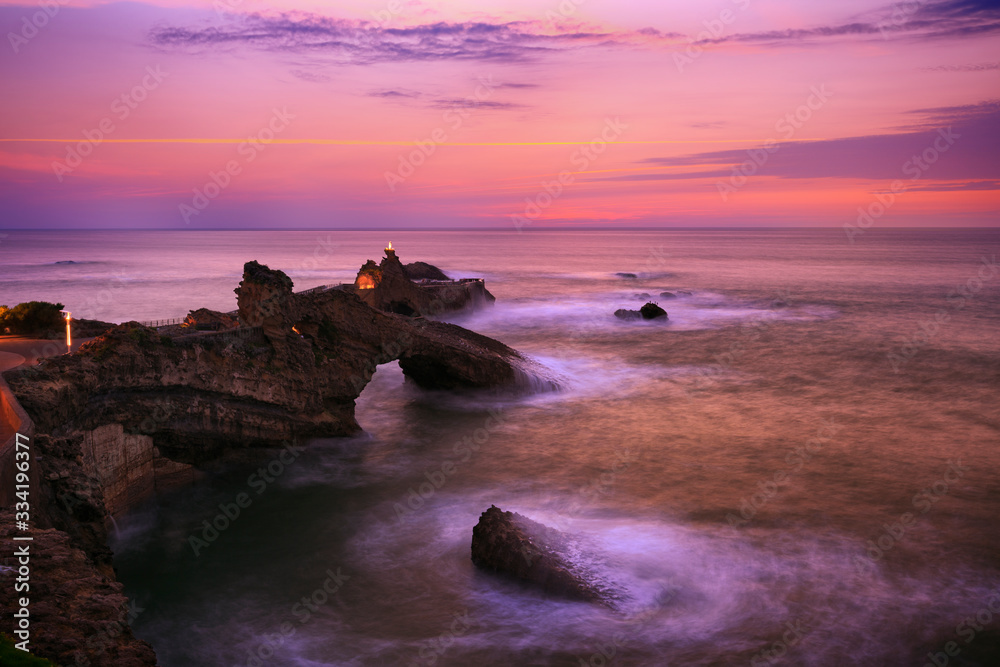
(667, 295)
(625, 314)
(626, 276)
(515, 545)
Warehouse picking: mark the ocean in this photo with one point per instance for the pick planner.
(801, 467)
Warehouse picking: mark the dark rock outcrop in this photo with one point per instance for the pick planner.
(424, 271)
(649, 311)
(388, 286)
(134, 409)
(79, 615)
(292, 371)
(626, 276)
(204, 319)
(526, 550)
(667, 295)
(84, 328)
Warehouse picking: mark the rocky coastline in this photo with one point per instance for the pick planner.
(138, 410)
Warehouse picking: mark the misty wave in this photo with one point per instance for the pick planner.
(581, 315)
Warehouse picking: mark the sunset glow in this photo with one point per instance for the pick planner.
(430, 114)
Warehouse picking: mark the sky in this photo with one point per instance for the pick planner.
(522, 114)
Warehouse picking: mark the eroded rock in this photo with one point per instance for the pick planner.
(424, 271)
(526, 550)
(649, 311)
(390, 287)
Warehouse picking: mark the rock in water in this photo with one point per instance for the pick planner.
(424, 271)
(626, 276)
(667, 295)
(527, 550)
(651, 311)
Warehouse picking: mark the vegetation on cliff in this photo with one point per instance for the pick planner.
(31, 318)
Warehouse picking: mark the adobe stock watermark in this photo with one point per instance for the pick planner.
(566, 9)
(930, 327)
(902, 12)
(384, 17)
(230, 511)
(303, 611)
(464, 450)
(454, 117)
(438, 646)
(773, 654)
(226, 9)
(967, 629)
(97, 304)
(796, 460)
(105, 638)
(923, 501)
(248, 150)
(31, 25)
(580, 159)
(606, 654)
(121, 108)
(786, 127)
(750, 331)
(714, 29)
(915, 168)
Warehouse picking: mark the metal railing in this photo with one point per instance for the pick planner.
(162, 323)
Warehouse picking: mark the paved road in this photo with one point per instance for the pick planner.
(8, 360)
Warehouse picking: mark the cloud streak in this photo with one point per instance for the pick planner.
(366, 43)
(932, 20)
(972, 159)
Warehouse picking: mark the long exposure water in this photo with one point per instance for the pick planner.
(800, 468)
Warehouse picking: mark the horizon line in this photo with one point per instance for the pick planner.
(366, 142)
(478, 229)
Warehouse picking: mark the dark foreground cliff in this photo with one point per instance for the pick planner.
(136, 410)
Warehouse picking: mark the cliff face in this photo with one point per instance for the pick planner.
(295, 377)
(134, 410)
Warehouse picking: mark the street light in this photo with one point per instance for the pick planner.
(69, 335)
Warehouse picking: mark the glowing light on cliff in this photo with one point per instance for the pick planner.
(389, 247)
(69, 335)
(365, 282)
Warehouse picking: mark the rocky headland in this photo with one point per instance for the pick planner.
(138, 410)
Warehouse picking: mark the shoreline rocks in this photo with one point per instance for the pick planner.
(137, 409)
(525, 550)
